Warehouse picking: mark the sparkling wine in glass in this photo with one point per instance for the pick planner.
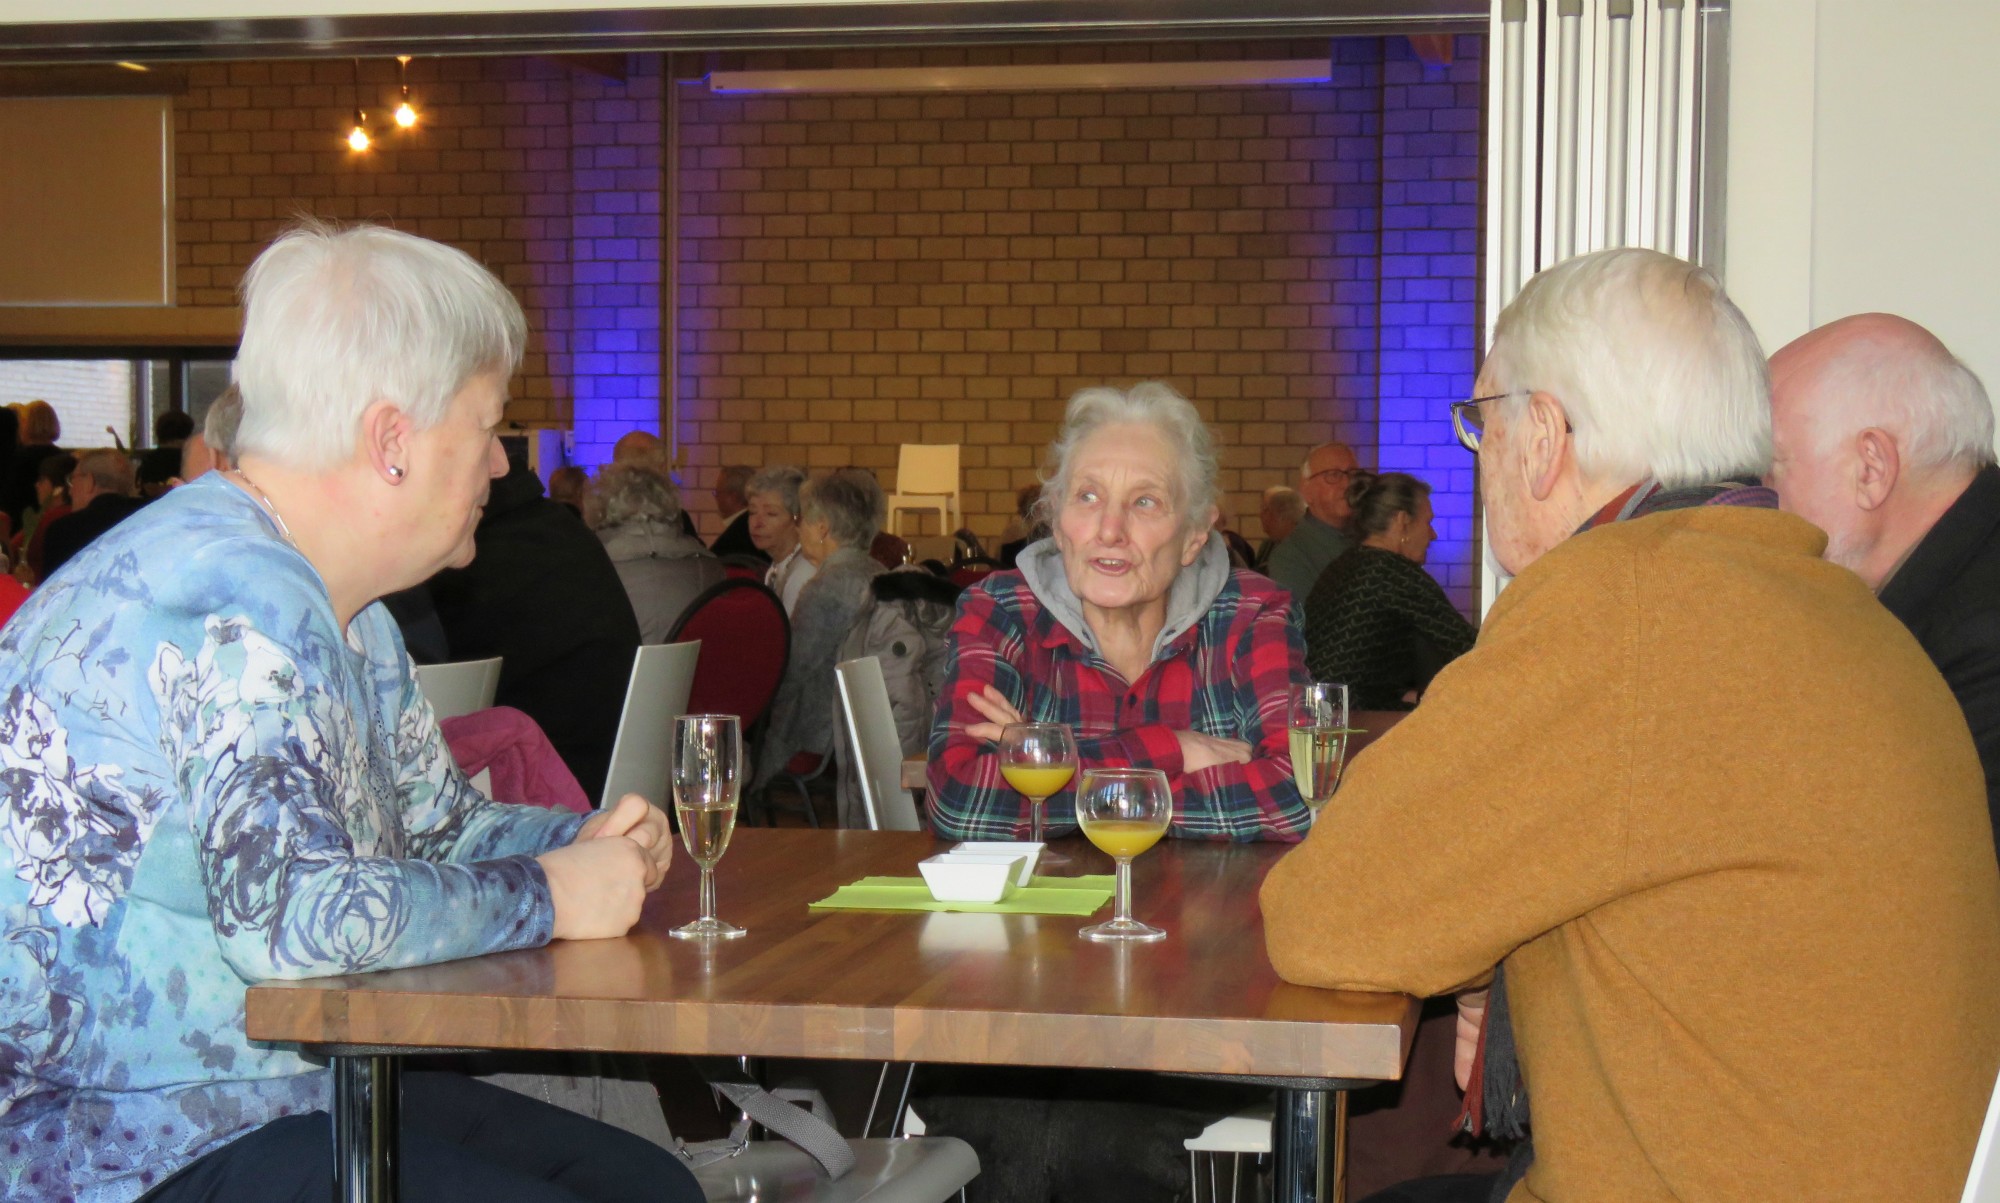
(1124, 812)
(707, 778)
(1038, 760)
(1319, 734)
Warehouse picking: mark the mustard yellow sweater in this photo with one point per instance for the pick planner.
(1725, 824)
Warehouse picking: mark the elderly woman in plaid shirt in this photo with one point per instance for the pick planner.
(1128, 625)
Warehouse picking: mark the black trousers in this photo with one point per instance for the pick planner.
(462, 1142)
(1451, 1188)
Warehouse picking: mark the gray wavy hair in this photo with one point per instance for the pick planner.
(1191, 476)
(623, 493)
(781, 481)
(850, 502)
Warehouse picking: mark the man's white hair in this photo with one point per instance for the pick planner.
(1658, 371)
(335, 320)
(1915, 389)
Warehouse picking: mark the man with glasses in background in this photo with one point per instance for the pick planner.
(1321, 535)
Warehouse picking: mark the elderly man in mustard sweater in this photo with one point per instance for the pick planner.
(1704, 805)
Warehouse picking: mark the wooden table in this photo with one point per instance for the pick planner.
(979, 989)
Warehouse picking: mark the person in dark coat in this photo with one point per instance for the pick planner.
(1884, 440)
(542, 594)
(40, 428)
(733, 503)
(101, 490)
(1375, 620)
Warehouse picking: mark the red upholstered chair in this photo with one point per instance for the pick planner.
(746, 641)
(971, 570)
(745, 567)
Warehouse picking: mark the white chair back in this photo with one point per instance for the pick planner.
(927, 479)
(878, 751)
(1982, 1185)
(459, 688)
(927, 468)
(662, 675)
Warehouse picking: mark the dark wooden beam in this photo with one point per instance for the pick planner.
(737, 27)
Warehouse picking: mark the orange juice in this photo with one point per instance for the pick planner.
(1037, 780)
(1124, 837)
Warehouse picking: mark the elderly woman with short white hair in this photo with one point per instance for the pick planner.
(774, 530)
(636, 513)
(215, 768)
(839, 515)
(1128, 626)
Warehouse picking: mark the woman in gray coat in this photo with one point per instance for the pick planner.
(637, 515)
(839, 515)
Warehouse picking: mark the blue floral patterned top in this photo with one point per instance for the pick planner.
(204, 784)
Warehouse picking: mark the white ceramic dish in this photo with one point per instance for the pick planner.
(1022, 848)
(970, 876)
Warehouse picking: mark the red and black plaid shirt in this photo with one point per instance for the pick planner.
(1227, 676)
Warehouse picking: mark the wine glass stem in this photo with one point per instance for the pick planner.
(1037, 817)
(1122, 908)
(707, 892)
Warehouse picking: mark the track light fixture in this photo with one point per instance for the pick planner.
(406, 114)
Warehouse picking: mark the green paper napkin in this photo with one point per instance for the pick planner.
(1076, 896)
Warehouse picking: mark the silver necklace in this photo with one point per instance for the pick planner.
(270, 509)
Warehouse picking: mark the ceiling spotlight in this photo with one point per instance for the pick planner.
(357, 138)
(406, 115)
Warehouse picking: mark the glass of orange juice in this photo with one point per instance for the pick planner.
(1038, 759)
(1124, 812)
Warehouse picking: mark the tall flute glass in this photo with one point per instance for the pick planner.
(707, 779)
(1319, 732)
(1124, 812)
(1038, 759)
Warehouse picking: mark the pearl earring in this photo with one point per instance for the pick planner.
(395, 472)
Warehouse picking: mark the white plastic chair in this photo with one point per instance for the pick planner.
(878, 750)
(926, 480)
(460, 687)
(1982, 1185)
(662, 675)
(1246, 1132)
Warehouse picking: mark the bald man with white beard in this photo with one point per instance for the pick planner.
(1884, 440)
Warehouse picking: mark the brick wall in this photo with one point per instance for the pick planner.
(487, 169)
(1430, 289)
(614, 252)
(864, 271)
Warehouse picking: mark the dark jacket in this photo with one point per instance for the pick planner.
(74, 531)
(1378, 622)
(735, 540)
(1948, 593)
(17, 478)
(541, 593)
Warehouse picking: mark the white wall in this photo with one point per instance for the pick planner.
(1864, 167)
(37, 11)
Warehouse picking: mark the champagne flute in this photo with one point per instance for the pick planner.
(707, 779)
(1124, 812)
(1319, 734)
(1038, 759)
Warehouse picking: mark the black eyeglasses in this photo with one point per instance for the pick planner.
(1331, 472)
(1468, 420)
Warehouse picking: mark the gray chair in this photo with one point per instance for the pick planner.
(930, 1169)
(459, 688)
(657, 694)
(878, 750)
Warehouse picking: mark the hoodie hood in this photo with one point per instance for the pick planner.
(1189, 597)
(648, 540)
